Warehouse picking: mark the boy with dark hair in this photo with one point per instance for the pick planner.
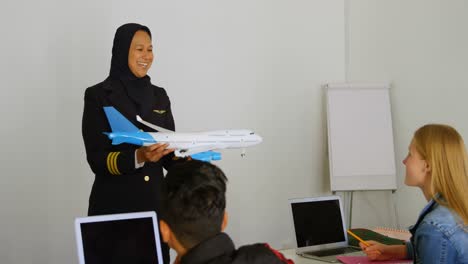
(193, 218)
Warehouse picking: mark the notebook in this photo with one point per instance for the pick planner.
(319, 228)
(118, 238)
(394, 233)
(366, 234)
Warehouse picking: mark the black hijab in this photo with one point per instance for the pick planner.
(138, 89)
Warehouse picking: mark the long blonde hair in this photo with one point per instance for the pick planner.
(444, 150)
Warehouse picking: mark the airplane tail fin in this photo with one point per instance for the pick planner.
(118, 122)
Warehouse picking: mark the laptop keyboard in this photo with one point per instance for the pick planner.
(330, 252)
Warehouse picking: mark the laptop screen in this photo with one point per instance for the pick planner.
(318, 222)
(124, 240)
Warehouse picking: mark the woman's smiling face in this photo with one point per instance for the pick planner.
(140, 55)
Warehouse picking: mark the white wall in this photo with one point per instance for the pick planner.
(421, 47)
(237, 64)
(243, 64)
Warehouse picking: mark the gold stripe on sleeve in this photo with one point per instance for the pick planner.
(109, 162)
(116, 169)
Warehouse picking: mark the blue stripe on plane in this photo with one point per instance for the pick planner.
(207, 156)
(134, 138)
(123, 131)
(118, 122)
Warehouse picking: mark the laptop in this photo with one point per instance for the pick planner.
(118, 238)
(320, 229)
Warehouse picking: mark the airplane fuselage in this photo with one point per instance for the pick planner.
(220, 139)
(223, 139)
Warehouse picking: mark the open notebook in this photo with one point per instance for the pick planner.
(319, 228)
(393, 233)
(118, 238)
(367, 234)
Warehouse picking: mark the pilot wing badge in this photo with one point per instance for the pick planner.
(200, 145)
(159, 111)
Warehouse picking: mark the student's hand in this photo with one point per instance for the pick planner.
(153, 153)
(376, 250)
(177, 260)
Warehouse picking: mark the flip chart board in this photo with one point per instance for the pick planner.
(360, 137)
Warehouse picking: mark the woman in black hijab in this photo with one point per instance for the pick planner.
(127, 178)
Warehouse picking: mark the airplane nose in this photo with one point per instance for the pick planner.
(259, 139)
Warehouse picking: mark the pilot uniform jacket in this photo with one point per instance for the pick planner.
(118, 186)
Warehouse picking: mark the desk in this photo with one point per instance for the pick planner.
(291, 254)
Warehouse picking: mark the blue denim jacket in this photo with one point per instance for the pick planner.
(439, 236)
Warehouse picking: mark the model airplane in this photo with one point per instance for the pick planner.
(198, 146)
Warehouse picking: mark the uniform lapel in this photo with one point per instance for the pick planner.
(146, 107)
(118, 98)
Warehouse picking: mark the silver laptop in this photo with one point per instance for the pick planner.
(320, 229)
(118, 238)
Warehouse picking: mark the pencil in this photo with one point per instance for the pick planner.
(358, 238)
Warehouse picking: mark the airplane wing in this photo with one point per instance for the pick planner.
(155, 127)
(191, 151)
(207, 156)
